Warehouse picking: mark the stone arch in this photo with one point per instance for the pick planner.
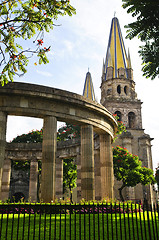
(126, 90)
(131, 120)
(119, 89)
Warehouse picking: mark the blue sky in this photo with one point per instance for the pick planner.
(78, 44)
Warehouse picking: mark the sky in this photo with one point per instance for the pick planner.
(79, 44)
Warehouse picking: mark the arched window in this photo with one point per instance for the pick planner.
(119, 89)
(118, 113)
(131, 120)
(126, 90)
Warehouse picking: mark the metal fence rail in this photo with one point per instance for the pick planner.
(79, 221)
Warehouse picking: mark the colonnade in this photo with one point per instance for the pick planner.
(52, 174)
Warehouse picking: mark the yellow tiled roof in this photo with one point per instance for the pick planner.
(88, 90)
(116, 56)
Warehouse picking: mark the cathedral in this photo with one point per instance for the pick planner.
(118, 96)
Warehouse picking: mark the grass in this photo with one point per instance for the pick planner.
(88, 226)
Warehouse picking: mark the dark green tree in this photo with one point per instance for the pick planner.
(64, 133)
(20, 21)
(31, 137)
(146, 28)
(69, 175)
(157, 177)
(21, 165)
(128, 170)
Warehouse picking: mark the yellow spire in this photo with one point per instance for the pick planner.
(116, 56)
(88, 90)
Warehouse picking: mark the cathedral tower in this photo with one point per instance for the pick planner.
(119, 97)
(117, 81)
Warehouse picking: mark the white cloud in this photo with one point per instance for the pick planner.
(43, 73)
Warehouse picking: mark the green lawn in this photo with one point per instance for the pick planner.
(88, 226)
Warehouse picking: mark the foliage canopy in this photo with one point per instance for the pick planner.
(31, 137)
(127, 168)
(146, 28)
(64, 133)
(157, 176)
(67, 132)
(21, 20)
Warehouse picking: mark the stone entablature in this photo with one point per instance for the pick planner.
(23, 151)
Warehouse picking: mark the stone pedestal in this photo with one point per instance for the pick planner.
(3, 123)
(6, 180)
(106, 166)
(87, 163)
(48, 159)
(33, 180)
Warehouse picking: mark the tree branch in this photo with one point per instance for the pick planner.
(25, 20)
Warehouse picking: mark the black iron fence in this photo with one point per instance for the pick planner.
(79, 221)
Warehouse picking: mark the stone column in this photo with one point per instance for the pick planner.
(6, 179)
(48, 159)
(146, 157)
(87, 163)
(97, 174)
(59, 178)
(3, 124)
(106, 166)
(33, 180)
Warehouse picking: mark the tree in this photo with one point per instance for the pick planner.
(157, 177)
(146, 28)
(121, 127)
(31, 137)
(128, 170)
(67, 132)
(22, 20)
(69, 175)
